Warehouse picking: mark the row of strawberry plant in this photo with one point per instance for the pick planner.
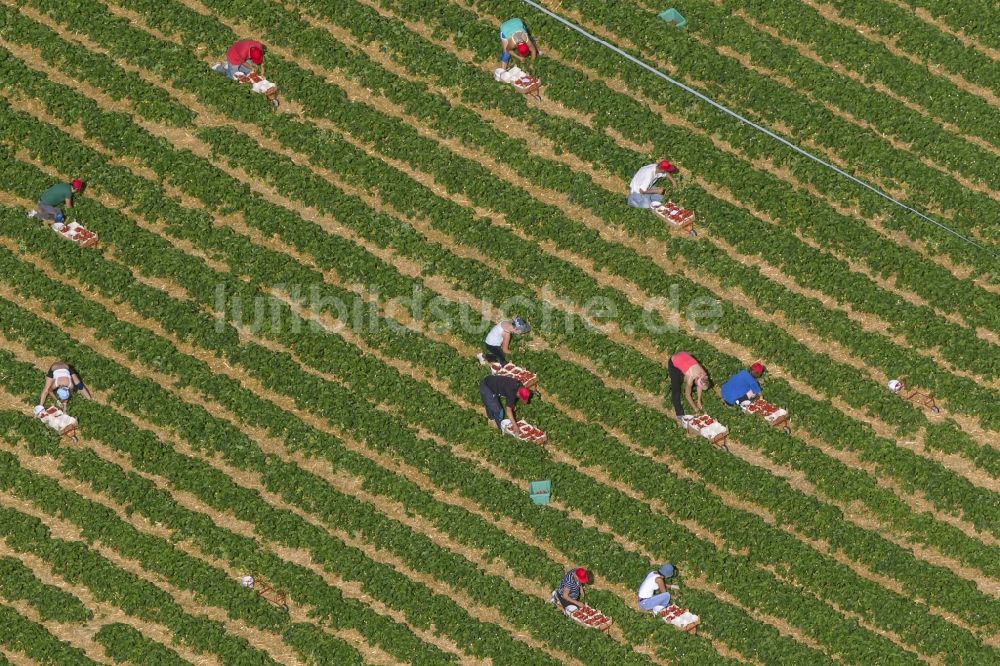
(975, 18)
(96, 69)
(98, 522)
(930, 364)
(18, 583)
(971, 339)
(19, 634)
(771, 101)
(958, 344)
(313, 495)
(126, 644)
(577, 90)
(78, 564)
(298, 434)
(919, 39)
(861, 148)
(328, 605)
(284, 372)
(782, 249)
(138, 494)
(842, 45)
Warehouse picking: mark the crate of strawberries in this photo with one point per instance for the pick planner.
(591, 617)
(526, 377)
(707, 427)
(527, 433)
(77, 233)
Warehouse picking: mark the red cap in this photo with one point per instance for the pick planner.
(757, 369)
(666, 166)
(77, 184)
(256, 55)
(523, 49)
(523, 394)
(582, 575)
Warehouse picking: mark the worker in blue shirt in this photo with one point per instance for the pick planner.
(742, 386)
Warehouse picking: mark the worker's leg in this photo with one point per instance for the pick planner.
(650, 604)
(47, 212)
(493, 409)
(495, 354)
(676, 382)
(504, 59)
(232, 70)
(636, 200)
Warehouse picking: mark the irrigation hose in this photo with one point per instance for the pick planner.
(750, 123)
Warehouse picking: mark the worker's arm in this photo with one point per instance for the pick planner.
(262, 72)
(653, 190)
(505, 345)
(673, 183)
(564, 593)
(687, 393)
(514, 427)
(46, 390)
(699, 390)
(69, 202)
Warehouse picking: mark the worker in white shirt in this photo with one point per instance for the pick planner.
(61, 382)
(642, 190)
(653, 595)
(497, 343)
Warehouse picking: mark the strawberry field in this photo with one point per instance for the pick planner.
(280, 323)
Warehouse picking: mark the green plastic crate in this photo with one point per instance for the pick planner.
(674, 18)
(540, 491)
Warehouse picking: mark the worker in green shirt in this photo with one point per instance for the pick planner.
(48, 204)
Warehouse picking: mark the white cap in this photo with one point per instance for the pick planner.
(895, 385)
(247, 581)
(38, 410)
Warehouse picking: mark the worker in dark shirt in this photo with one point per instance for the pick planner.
(495, 387)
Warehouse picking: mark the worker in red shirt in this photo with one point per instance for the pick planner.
(684, 370)
(242, 52)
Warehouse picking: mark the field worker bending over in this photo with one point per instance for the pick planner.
(48, 204)
(60, 383)
(684, 369)
(570, 590)
(516, 41)
(497, 343)
(642, 193)
(494, 387)
(653, 595)
(742, 386)
(242, 52)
